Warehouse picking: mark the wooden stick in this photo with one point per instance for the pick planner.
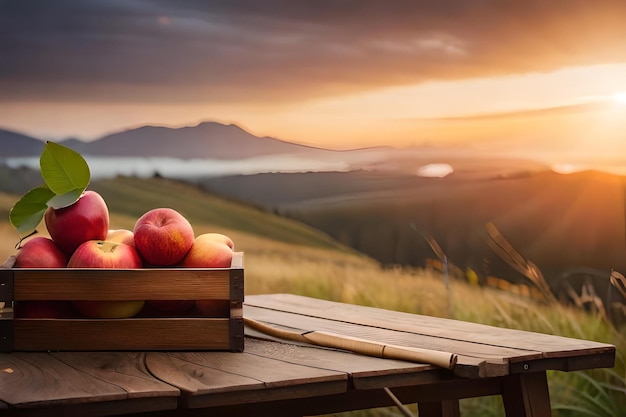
(444, 360)
(274, 331)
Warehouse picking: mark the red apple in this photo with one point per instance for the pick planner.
(86, 219)
(213, 308)
(208, 252)
(102, 254)
(121, 236)
(163, 236)
(40, 252)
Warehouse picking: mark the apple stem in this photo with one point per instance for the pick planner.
(108, 246)
(18, 245)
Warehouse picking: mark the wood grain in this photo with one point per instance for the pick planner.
(122, 334)
(219, 378)
(463, 338)
(126, 370)
(364, 372)
(37, 379)
(128, 284)
(81, 384)
(117, 284)
(472, 359)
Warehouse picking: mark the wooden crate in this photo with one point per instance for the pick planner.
(183, 332)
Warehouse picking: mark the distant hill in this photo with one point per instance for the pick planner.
(128, 198)
(206, 140)
(155, 147)
(13, 144)
(560, 222)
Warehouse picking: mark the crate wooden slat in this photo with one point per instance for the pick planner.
(137, 333)
(120, 284)
(122, 334)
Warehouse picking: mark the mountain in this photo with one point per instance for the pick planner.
(213, 149)
(13, 144)
(206, 140)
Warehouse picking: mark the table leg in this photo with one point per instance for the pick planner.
(447, 408)
(526, 395)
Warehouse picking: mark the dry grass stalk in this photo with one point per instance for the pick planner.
(618, 281)
(517, 261)
(444, 260)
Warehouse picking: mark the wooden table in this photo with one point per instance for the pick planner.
(281, 378)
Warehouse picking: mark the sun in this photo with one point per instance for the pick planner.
(620, 97)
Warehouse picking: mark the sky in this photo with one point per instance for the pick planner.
(522, 75)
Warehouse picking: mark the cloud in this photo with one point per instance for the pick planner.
(215, 51)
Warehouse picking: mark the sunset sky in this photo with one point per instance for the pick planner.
(337, 74)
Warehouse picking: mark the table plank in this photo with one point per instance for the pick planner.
(197, 371)
(474, 359)
(483, 336)
(126, 370)
(38, 379)
(221, 378)
(388, 335)
(364, 372)
(42, 382)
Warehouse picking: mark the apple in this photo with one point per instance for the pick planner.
(86, 219)
(121, 236)
(109, 309)
(208, 252)
(213, 308)
(40, 252)
(221, 238)
(163, 236)
(102, 254)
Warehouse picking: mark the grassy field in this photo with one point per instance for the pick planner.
(285, 256)
(563, 223)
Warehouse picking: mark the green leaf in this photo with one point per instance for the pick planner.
(27, 213)
(66, 176)
(63, 169)
(64, 200)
